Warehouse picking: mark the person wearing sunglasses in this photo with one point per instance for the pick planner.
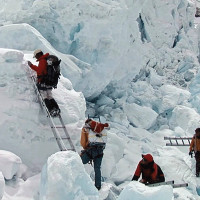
(151, 172)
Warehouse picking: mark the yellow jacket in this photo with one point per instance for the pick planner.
(195, 144)
(84, 138)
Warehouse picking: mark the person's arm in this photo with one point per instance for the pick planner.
(84, 138)
(33, 67)
(192, 145)
(41, 68)
(137, 173)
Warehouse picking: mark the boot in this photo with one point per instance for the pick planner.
(48, 104)
(55, 108)
(54, 103)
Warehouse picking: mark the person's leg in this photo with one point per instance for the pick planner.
(197, 157)
(54, 103)
(43, 94)
(97, 169)
(56, 109)
(53, 108)
(85, 158)
(49, 94)
(47, 102)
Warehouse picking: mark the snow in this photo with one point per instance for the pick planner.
(12, 163)
(145, 117)
(2, 185)
(139, 191)
(172, 96)
(64, 177)
(185, 118)
(134, 63)
(20, 106)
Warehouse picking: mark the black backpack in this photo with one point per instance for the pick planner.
(53, 71)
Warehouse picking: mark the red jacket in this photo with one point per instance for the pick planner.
(41, 69)
(152, 174)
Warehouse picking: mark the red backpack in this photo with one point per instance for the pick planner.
(97, 127)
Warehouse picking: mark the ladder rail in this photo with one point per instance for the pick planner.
(66, 133)
(55, 131)
(178, 141)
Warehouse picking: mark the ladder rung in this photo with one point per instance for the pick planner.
(71, 149)
(177, 138)
(57, 126)
(67, 138)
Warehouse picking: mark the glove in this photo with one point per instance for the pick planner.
(29, 63)
(190, 153)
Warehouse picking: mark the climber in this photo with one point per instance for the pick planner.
(45, 90)
(151, 172)
(93, 143)
(195, 146)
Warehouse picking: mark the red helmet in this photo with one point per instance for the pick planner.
(147, 157)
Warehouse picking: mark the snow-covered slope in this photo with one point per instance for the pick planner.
(24, 128)
(136, 63)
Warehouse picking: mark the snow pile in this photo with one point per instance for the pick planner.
(9, 164)
(145, 117)
(64, 177)
(185, 118)
(2, 185)
(135, 190)
(172, 96)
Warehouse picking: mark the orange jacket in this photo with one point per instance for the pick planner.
(195, 143)
(84, 138)
(41, 69)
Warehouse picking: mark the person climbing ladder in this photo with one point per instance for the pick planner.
(45, 90)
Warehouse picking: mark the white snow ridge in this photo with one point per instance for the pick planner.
(133, 63)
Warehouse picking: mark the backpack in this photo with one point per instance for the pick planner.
(97, 132)
(97, 127)
(53, 71)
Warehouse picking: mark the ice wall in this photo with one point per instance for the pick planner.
(113, 37)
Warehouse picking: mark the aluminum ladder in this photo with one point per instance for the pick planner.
(178, 141)
(59, 131)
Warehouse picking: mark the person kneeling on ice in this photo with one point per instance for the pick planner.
(151, 172)
(45, 90)
(93, 141)
(195, 146)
